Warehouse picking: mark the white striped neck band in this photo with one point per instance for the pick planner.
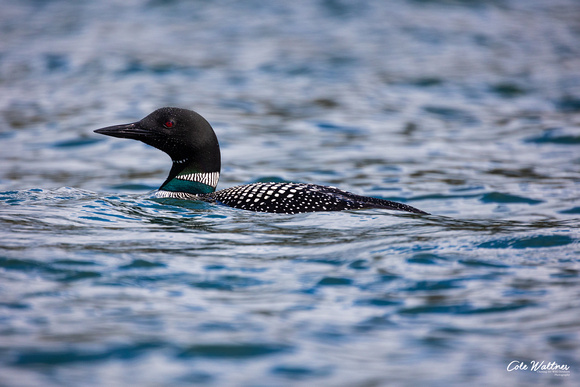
(208, 178)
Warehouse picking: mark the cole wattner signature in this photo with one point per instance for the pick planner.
(540, 367)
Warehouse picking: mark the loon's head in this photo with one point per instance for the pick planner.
(183, 134)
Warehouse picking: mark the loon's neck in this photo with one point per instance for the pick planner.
(190, 179)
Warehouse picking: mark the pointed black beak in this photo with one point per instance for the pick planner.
(133, 131)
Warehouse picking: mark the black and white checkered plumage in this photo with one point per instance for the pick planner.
(192, 145)
(291, 198)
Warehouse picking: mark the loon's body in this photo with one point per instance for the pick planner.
(194, 149)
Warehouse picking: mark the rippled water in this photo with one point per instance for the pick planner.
(467, 110)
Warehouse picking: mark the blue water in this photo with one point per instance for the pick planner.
(469, 110)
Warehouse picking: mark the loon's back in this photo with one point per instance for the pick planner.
(291, 198)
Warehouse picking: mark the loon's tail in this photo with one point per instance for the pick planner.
(370, 202)
(387, 204)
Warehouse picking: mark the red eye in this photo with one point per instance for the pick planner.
(169, 124)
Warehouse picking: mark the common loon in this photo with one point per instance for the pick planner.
(193, 147)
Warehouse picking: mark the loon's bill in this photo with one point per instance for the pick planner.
(194, 149)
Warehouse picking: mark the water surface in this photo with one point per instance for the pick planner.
(467, 110)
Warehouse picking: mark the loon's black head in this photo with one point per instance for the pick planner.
(183, 134)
